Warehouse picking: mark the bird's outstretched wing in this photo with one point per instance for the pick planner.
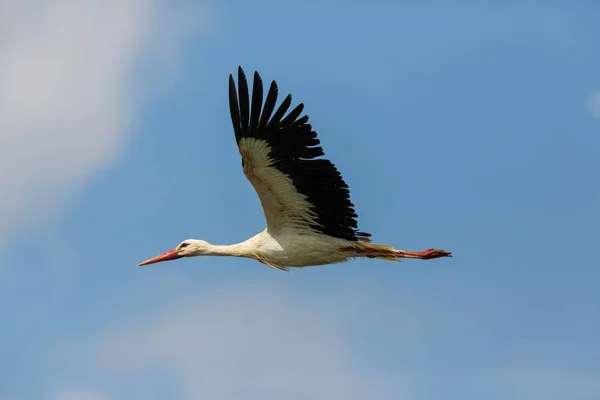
(297, 190)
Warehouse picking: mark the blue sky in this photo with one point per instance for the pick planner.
(465, 127)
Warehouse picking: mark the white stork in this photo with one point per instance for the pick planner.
(310, 218)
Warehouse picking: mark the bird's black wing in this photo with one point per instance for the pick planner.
(280, 154)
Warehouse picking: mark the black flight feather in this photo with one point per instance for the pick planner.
(294, 148)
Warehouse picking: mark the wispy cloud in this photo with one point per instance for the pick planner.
(256, 342)
(594, 104)
(543, 383)
(77, 394)
(68, 94)
(250, 343)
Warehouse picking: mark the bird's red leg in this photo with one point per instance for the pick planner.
(374, 252)
(424, 255)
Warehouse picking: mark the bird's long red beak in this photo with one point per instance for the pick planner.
(166, 256)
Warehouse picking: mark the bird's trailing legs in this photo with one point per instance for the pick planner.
(423, 255)
(385, 252)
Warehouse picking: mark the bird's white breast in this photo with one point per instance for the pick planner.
(300, 250)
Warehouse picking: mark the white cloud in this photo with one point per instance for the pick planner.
(77, 394)
(543, 383)
(240, 344)
(67, 93)
(594, 104)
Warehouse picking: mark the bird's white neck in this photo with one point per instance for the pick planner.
(235, 250)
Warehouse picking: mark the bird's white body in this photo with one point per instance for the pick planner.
(296, 250)
(306, 203)
(289, 249)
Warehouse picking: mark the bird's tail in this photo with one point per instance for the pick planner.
(389, 253)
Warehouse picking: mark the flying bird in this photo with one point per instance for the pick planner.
(309, 215)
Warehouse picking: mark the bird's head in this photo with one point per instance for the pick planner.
(187, 248)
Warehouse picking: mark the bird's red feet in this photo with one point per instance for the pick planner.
(425, 254)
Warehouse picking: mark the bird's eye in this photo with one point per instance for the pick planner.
(184, 245)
